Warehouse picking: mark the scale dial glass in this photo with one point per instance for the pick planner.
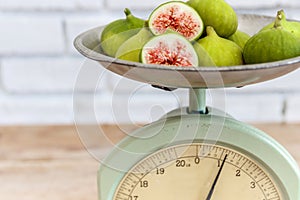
(190, 171)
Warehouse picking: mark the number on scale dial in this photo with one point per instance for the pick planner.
(199, 171)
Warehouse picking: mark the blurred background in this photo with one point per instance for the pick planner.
(45, 84)
(39, 66)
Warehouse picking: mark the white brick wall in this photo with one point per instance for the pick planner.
(50, 5)
(47, 75)
(39, 68)
(76, 24)
(35, 109)
(144, 5)
(293, 105)
(31, 35)
(250, 4)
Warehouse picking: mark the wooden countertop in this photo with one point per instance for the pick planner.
(50, 162)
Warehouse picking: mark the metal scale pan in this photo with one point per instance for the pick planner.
(193, 77)
(256, 166)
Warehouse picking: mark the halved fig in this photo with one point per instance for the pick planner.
(177, 16)
(169, 49)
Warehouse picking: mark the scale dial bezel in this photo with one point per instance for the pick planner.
(266, 181)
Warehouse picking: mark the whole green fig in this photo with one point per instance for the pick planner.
(131, 48)
(223, 52)
(204, 58)
(218, 14)
(240, 38)
(271, 45)
(117, 32)
(291, 26)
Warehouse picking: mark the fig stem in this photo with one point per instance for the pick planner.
(280, 16)
(146, 24)
(210, 30)
(127, 11)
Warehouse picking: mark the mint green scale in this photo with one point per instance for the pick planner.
(198, 152)
(179, 147)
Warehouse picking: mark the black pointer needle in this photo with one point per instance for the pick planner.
(216, 179)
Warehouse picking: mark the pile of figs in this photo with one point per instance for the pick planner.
(198, 33)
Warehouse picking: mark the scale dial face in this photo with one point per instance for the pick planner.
(199, 171)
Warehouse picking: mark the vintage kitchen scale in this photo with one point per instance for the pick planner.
(196, 153)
